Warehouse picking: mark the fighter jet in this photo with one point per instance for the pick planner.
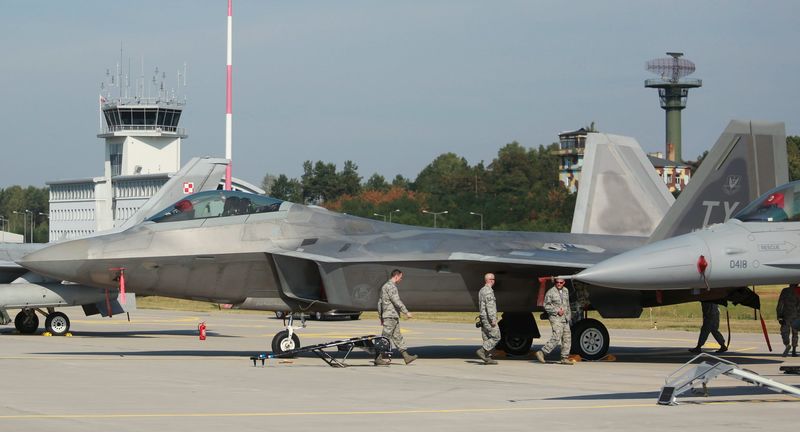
(258, 252)
(758, 246)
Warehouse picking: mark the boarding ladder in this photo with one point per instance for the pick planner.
(686, 377)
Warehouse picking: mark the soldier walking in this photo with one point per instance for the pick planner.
(389, 308)
(710, 326)
(556, 304)
(788, 310)
(489, 329)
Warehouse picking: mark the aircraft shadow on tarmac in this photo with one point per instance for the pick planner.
(714, 392)
(130, 334)
(627, 355)
(164, 353)
(660, 355)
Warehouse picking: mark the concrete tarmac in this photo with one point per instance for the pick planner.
(153, 373)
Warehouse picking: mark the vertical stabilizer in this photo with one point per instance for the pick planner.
(748, 159)
(620, 192)
(199, 174)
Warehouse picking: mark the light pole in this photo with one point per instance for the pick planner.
(434, 215)
(24, 224)
(47, 215)
(33, 223)
(478, 214)
(390, 214)
(3, 228)
(381, 215)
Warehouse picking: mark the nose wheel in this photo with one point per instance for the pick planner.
(590, 339)
(287, 340)
(57, 323)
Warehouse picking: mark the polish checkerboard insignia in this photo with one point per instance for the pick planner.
(188, 187)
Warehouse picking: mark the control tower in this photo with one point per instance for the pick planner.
(673, 90)
(141, 135)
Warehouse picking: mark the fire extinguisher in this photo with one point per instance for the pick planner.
(202, 329)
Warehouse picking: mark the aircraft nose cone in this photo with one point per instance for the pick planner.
(61, 261)
(667, 264)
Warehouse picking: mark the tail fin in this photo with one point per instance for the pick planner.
(748, 159)
(197, 175)
(620, 192)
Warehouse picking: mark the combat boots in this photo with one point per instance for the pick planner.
(540, 357)
(786, 351)
(794, 351)
(485, 356)
(408, 358)
(380, 361)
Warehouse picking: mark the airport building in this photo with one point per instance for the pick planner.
(572, 145)
(143, 141)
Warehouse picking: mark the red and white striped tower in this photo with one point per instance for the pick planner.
(228, 101)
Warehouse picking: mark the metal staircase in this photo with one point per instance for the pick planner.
(686, 377)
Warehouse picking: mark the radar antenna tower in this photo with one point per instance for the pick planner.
(673, 90)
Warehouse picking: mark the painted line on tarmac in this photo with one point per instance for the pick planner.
(321, 413)
(357, 413)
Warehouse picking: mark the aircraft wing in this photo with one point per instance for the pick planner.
(522, 250)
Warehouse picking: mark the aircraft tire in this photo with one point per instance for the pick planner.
(280, 314)
(57, 323)
(282, 342)
(515, 344)
(26, 321)
(590, 339)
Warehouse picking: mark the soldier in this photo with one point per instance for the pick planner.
(788, 310)
(556, 304)
(710, 325)
(488, 310)
(388, 306)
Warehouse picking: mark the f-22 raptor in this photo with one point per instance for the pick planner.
(262, 253)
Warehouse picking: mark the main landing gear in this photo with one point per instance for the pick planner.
(590, 338)
(56, 323)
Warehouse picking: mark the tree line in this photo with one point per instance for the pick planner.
(518, 190)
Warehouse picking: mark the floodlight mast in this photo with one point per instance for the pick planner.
(673, 90)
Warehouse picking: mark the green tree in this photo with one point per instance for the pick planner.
(376, 183)
(287, 189)
(349, 181)
(793, 151)
(401, 182)
(31, 206)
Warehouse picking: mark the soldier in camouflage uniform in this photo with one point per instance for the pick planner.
(710, 326)
(489, 329)
(788, 311)
(556, 304)
(389, 308)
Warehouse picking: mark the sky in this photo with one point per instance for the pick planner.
(390, 85)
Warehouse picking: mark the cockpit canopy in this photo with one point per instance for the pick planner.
(781, 204)
(216, 203)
